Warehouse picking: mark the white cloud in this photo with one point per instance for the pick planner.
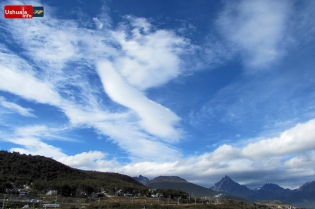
(149, 59)
(155, 119)
(16, 108)
(26, 86)
(34, 139)
(296, 140)
(139, 24)
(139, 145)
(83, 160)
(210, 166)
(31, 131)
(98, 23)
(301, 162)
(258, 28)
(247, 160)
(82, 106)
(35, 146)
(137, 63)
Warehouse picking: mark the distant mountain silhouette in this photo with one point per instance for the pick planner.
(143, 180)
(177, 183)
(304, 196)
(267, 192)
(272, 192)
(227, 185)
(168, 179)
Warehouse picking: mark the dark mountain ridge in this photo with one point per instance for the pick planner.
(168, 179)
(45, 173)
(177, 183)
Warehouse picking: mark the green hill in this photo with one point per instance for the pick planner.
(44, 174)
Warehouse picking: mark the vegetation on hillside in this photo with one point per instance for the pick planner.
(43, 174)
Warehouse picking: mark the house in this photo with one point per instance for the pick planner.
(119, 192)
(157, 195)
(22, 192)
(52, 192)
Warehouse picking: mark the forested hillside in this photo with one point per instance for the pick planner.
(43, 174)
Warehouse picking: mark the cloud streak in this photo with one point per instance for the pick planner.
(26, 86)
(27, 112)
(155, 119)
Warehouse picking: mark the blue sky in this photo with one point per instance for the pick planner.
(196, 89)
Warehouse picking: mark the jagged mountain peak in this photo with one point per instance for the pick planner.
(227, 177)
(226, 184)
(226, 180)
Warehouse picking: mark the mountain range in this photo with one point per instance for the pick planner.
(304, 196)
(44, 173)
(177, 183)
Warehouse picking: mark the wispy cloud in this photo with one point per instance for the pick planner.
(30, 140)
(257, 28)
(149, 59)
(25, 85)
(133, 62)
(16, 108)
